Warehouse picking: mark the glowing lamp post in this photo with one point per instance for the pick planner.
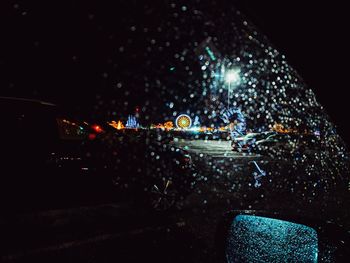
(231, 77)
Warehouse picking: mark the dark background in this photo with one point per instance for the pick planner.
(312, 35)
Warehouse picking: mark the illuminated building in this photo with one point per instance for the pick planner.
(132, 123)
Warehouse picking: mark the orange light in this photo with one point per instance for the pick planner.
(160, 126)
(120, 125)
(117, 125)
(281, 129)
(169, 125)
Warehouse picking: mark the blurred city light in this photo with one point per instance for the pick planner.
(97, 128)
(183, 121)
(232, 76)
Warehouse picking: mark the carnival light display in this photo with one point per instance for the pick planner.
(169, 125)
(132, 122)
(117, 125)
(235, 115)
(183, 121)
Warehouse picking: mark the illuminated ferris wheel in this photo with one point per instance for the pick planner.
(183, 121)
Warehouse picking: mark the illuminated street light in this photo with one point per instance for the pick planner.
(231, 77)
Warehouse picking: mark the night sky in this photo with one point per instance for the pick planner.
(48, 50)
(313, 36)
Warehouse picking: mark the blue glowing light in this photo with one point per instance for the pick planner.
(132, 123)
(239, 128)
(210, 53)
(258, 175)
(196, 122)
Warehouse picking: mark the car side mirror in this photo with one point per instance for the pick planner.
(262, 239)
(259, 236)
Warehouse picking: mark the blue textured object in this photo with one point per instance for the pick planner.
(132, 122)
(262, 239)
(258, 174)
(240, 128)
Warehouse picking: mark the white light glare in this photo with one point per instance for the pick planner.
(232, 76)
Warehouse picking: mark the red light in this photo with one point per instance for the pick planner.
(92, 136)
(97, 128)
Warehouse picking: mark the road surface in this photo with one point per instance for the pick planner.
(99, 231)
(216, 158)
(212, 148)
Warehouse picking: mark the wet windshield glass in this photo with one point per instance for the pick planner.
(217, 88)
(181, 108)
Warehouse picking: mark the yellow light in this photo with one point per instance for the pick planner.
(183, 121)
(120, 125)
